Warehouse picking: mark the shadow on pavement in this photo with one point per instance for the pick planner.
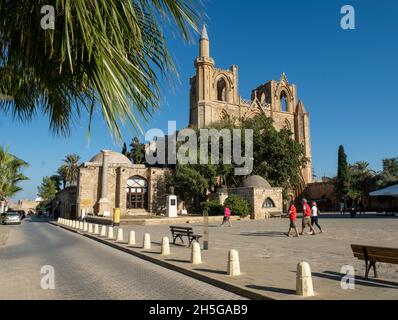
(264, 234)
(272, 289)
(357, 216)
(178, 260)
(211, 271)
(332, 275)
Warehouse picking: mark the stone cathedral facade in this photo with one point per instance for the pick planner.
(109, 180)
(214, 95)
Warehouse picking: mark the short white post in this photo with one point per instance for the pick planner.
(233, 263)
(304, 286)
(119, 235)
(90, 228)
(103, 231)
(147, 241)
(85, 227)
(131, 238)
(96, 229)
(81, 227)
(196, 257)
(165, 246)
(59, 220)
(110, 232)
(73, 224)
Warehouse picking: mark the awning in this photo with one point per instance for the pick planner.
(391, 191)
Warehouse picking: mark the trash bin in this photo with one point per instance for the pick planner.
(116, 216)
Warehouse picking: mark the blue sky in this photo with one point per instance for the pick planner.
(347, 80)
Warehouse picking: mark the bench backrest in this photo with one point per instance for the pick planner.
(181, 229)
(377, 254)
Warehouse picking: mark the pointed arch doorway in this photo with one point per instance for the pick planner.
(137, 193)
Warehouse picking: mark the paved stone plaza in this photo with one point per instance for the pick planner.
(85, 269)
(269, 258)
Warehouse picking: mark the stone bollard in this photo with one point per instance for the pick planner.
(131, 238)
(147, 241)
(103, 231)
(90, 228)
(165, 246)
(110, 232)
(96, 229)
(304, 286)
(59, 220)
(196, 257)
(233, 263)
(74, 224)
(119, 235)
(85, 227)
(81, 227)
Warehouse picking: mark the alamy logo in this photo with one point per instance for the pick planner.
(348, 280)
(347, 22)
(48, 280)
(201, 147)
(48, 20)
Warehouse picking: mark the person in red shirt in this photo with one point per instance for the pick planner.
(227, 216)
(306, 218)
(292, 218)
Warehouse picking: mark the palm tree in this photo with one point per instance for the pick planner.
(70, 169)
(101, 57)
(10, 175)
(61, 172)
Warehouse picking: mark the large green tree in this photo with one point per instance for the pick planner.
(47, 190)
(389, 175)
(362, 180)
(101, 57)
(10, 174)
(276, 156)
(343, 175)
(137, 151)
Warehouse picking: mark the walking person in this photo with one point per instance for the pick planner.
(292, 218)
(227, 216)
(342, 207)
(306, 218)
(314, 216)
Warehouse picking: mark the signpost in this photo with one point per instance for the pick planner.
(205, 230)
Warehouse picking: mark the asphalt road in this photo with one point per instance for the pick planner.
(85, 269)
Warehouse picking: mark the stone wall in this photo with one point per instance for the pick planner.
(64, 204)
(89, 188)
(256, 198)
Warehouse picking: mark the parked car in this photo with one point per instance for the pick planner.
(11, 217)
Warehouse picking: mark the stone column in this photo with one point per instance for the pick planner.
(104, 202)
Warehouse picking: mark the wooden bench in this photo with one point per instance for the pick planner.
(371, 255)
(179, 232)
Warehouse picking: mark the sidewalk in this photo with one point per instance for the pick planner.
(269, 258)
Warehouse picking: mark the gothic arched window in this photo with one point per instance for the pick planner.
(221, 90)
(262, 98)
(269, 203)
(283, 100)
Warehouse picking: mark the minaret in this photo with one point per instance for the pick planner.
(202, 84)
(204, 44)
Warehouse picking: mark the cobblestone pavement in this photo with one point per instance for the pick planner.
(85, 269)
(268, 258)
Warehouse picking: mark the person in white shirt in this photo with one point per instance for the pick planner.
(314, 216)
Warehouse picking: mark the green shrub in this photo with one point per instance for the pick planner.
(213, 207)
(238, 205)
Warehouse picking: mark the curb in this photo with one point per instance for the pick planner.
(217, 283)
